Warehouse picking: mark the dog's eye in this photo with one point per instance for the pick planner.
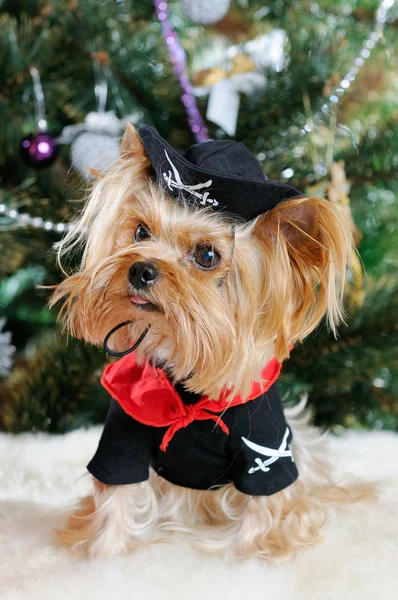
(141, 234)
(207, 257)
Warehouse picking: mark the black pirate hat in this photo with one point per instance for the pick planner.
(223, 175)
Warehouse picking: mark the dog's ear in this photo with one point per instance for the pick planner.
(298, 221)
(131, 144)
(306, 244)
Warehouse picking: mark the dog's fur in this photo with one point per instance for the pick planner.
(278, 276)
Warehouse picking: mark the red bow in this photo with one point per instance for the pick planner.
(146, 394)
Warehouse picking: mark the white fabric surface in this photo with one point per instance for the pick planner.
(40, 475)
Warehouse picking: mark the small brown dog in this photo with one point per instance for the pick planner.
(217, 272)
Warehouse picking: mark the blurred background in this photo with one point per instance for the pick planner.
(310, 87)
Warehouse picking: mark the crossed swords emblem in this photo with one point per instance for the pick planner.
(274, 454)
(192, 189)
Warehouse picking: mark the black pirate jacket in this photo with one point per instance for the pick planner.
(190, 440)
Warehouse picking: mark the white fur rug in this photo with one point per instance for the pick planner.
(40, 475)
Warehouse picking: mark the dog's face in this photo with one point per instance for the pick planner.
(221, 297)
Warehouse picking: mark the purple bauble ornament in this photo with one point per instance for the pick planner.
(39, 150)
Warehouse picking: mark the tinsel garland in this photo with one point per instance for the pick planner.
(178, 60)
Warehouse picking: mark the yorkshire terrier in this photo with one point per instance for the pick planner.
(215, 273)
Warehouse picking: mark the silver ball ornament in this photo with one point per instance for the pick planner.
(90, 150)
(205, 12)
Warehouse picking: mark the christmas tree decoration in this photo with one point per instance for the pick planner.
(267, 51)
(94, 152)
(23, 219)
(95, 144)
(224, 88)
(11, 218)
(40, 149)
(178, 60)
(238, 69)
(205, 12)
(6, 350)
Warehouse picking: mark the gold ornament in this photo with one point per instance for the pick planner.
(240, 64)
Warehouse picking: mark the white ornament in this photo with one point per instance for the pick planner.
(95, 144)
(205, 12)
(94, 151)
(267, 51)
(102, 121)
(224, 98)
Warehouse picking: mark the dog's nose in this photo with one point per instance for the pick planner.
(142, 274)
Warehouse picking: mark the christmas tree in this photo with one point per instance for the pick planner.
(310, 88)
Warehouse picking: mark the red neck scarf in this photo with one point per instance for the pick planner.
(146, 394)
